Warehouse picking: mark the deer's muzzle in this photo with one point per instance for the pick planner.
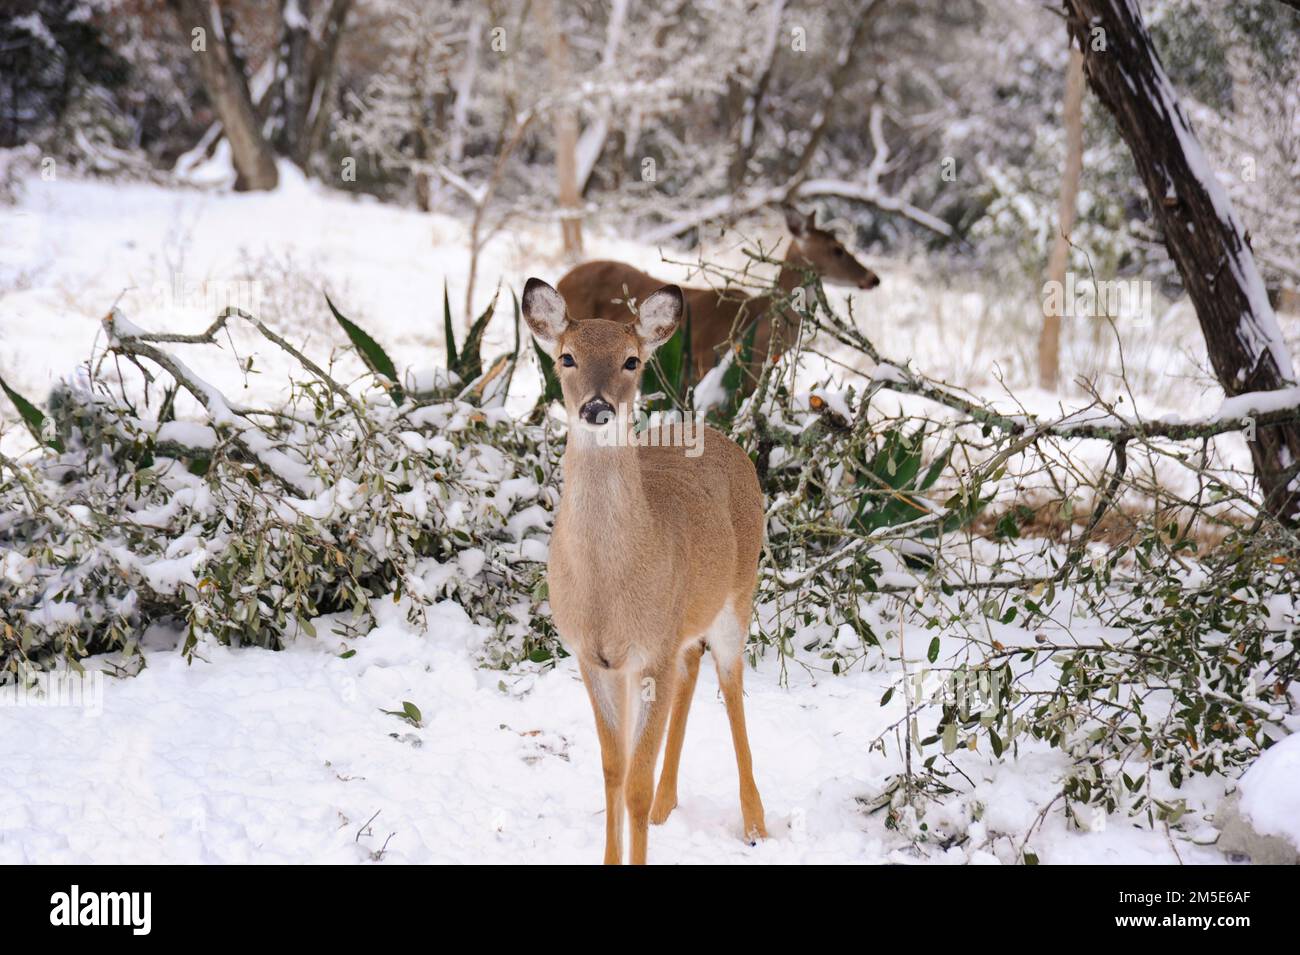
(596, 411)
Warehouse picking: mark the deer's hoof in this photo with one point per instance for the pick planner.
(662, 809)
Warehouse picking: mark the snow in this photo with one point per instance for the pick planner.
(259, 756)
(711, 391)
(187, 433)
(251, 755)
(1270, 791)
(1257, 402)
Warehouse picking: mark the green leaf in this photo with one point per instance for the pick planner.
(935, 470)
(666, 372)
(733, 379)
(32, 416)
(889, 482)
(469, 365)
(550, 380)
(932, 653)
(734, 375)
(409, 712)
(375, 357)
(449, 334)
(898, 460)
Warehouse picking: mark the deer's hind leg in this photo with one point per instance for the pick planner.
(727, 643)
(608, 692)
(666, 794)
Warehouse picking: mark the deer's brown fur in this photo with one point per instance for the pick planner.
(601, 289)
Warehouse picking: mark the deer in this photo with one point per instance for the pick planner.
(602, 289)
(653, 559)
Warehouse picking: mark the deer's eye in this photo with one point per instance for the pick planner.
(567, 360)
(839, 252)
(631, 363)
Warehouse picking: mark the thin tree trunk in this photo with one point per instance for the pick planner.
(747, 129)
(833, 83)
(566, 135)
(465, 88)
(228, 91)
(1201, 231)
(323, 64)
(1049, 339)
(592, 141)
(295, 46)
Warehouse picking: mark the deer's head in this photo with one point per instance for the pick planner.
(599, 362)
(826, 254)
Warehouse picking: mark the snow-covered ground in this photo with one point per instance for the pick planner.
(256, 756)
(249, 755)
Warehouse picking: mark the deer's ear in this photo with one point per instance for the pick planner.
(795, 220)
(658, 316)
(543, 310)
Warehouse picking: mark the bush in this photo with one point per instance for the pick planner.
(244, 527)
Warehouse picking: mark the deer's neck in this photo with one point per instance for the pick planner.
(603, 493)
(793, 267)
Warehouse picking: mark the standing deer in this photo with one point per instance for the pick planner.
(654, 556)
(721, 316)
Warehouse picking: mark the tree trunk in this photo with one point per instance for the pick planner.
(833, 82)
(228, 91)
(592, 141)
(1049, 339)
(295, 46)
(1201, 230)
(747, 128)
(322, 66)
(465, 87)
(566, 135)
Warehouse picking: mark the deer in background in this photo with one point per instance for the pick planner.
(653, 558)
(718, 317)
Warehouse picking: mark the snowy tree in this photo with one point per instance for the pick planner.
(1201, 228)
(285, 106)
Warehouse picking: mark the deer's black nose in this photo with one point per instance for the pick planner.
(871, 281)
(596, 411)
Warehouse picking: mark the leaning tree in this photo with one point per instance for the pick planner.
(1201, 230)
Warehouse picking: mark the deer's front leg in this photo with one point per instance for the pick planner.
(652, 697)
(608, 692)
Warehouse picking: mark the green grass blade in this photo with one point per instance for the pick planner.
(470, 364)
(376, 358)
(550, 380)
(32, 417)
(449, 333)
